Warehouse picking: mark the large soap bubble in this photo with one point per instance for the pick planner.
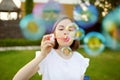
(37, 10)
(111, 29)
(32, 28)
(49, 12)
(94, 43)
(86, 15)
(75, 32)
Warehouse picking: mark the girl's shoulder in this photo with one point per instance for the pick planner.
(78, 54)
(80, 57)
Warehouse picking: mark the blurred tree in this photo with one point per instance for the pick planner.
(105, 6)
(28, 6)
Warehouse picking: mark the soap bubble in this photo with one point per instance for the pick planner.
(75, 32)
(32, 29)
(79, 34)
(85, 16)
(49, 12)
(94, 43)
(111, 29)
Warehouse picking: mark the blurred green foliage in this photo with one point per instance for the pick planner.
(28, 6)
(102, 67)
(18, 42)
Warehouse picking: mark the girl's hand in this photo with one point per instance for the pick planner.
(46, 45)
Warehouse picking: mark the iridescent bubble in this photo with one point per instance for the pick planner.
(49, 12)
(79, 34)
(75, 32)
(72, 28)
(111, 29)
(32, 29)
(94, 43)
(85, 16)
(67, 50)
(52, 10)
(37, 10)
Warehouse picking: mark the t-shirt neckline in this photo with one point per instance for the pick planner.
(66, 60)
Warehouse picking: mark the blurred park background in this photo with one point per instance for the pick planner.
(24, 22)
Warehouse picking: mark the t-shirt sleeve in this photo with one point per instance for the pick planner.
(84, 62)
(41, 64)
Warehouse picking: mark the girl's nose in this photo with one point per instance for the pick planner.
(66, 33)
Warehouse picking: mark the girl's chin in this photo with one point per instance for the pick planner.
(64, 44)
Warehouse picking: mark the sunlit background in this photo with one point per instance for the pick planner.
(101, 3)
(96, 18)
(13, 15)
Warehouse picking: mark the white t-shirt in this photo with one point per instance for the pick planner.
(54, 67)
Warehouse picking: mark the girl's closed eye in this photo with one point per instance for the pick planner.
(71, 28)
(61, 27)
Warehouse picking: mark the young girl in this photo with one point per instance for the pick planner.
(58, 58)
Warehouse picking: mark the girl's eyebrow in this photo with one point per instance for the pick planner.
(61, 26)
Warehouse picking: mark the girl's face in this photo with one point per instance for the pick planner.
(62, 35)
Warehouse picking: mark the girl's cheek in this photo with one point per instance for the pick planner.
(59, 34)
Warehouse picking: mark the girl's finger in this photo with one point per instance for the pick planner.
(47, 42)
(46, 37)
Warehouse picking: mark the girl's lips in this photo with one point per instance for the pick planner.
(66, 39)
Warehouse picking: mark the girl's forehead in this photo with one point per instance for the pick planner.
(64, 22)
